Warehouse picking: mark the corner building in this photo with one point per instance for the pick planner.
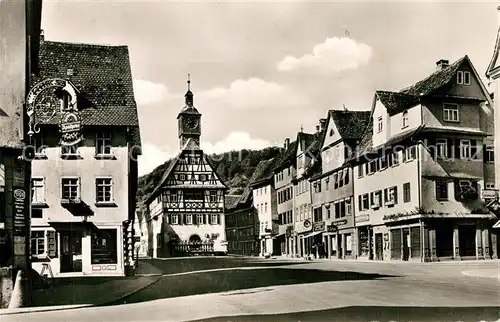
(84, 172)
(422, 167)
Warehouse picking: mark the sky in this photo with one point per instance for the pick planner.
(262, 70)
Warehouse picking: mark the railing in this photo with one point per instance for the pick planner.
(193, 249)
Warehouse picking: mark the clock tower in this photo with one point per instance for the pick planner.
(189, 120)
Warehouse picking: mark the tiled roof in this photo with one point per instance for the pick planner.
(350, 124)
(314, 151)
(290, 154)
(101, 74)
(434, 81)
(263, 171)
(396, 102)
(305, 140)
(231, 201)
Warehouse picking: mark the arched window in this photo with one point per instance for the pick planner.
(405, 119)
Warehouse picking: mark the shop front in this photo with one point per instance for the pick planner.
(339, 239)
(364, 232)
(314, 240)
(77, 249)
(302, 229)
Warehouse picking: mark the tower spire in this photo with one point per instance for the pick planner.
(189, 95)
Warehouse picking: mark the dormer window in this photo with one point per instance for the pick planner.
(380, 124)
(404, 121)
(463, 78)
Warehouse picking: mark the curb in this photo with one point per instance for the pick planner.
(38, 309)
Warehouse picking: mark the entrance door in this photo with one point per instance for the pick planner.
(406, 248)
(379, 247)
(71, 252)
(467, 240)
(340, 249)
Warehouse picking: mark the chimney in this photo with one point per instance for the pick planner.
(287, 143)
(442, 63)
(322, 123)
(42, 37)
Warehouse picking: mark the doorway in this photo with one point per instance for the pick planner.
(71, 251)
(406, 243)
(379, 247)
(340, 250)
(467, 240)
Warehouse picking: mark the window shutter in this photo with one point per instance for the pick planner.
(386, 195)
(457, 149)
(51, 244)
(484, 153)
(205, 219)
(360, 203)
(457, 190)
(219, 219)
(431, 145)
(371, 198)
(182, 219)
(395, 195)
(473, 149)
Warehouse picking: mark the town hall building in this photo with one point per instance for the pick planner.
(186, 208)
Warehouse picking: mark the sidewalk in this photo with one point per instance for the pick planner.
(70, 293)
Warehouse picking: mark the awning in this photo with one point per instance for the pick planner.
(313, 234)
(80, 226)
(497, 225)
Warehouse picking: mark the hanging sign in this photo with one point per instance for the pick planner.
(19, 195)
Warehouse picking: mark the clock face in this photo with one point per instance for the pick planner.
(191, 122)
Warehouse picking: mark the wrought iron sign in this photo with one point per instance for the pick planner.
(42, 98)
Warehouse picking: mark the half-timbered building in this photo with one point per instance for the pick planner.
(187, 206)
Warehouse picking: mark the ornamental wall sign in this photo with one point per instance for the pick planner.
(43, 99)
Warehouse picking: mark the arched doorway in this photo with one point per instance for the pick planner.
(194, 241)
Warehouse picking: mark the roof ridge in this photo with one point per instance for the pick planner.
(82, 44)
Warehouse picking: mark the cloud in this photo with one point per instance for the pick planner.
(333, 55)
(147, 92)
(251, 93)
(235, 141)
(152, 156)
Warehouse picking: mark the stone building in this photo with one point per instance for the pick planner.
(422, 166)
(186, 208)
(86, 141)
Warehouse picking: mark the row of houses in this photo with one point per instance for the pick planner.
(412, 178)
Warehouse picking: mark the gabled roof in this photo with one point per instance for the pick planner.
(435, 80)
(263, 172)
(396, 102)
(189, 146)
(493, 62)
(289, 155)
(350, 124)
(304, 140)
(231, 201)
(102, 75)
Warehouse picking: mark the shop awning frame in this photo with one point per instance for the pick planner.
(79, 226)
(314, 233)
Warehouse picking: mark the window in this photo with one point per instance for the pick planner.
(346, 175)
(442, 148)
(37, 190)
(318, 214)
(213, 219)
(376, 199)
(365, 202)
(406, 192)
(360, 170)
(441, 190)
(380, 124)
(189, 219)
(391, 196)
(213, 196)
(463, 78)
(327, 211)
(200, 218)
(404, 120)
(410, 153)
(372, 167)
(489, 155)
(383, 162)
(70, 188)
(465, 149)
(182, 177)
(265, 207)
(460, 77)
(104, 248)
(202, 177)
(37, 242)
(175, 219)
(69, 150)
(490, 186)
(450, 112)
(103, 143)
(104, 190)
